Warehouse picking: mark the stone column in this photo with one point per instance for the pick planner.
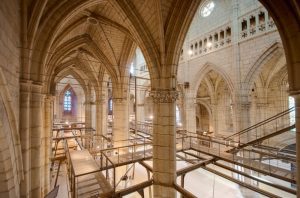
(164, 142)
(46, 144)
(104, 115)
(88, 112)
(120, 121)
(25, 87)
(244, 115)
(140, 106)
(214, 108)
(99, 117)
(36, 129)
(190, 112)
(297, 119)
(236, 68)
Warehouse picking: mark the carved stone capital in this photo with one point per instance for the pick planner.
(164, 96)
(245, 106)
(262, 105)
(119, 100)
(49, 98)
(25, 85)
(99, 102)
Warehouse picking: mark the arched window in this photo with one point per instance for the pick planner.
(207, 8)
(68, 101)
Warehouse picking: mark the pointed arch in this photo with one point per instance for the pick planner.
(72, 73)
(10, 139)
(86, 42)
(257, 68)
(280, 68)
(204, 71)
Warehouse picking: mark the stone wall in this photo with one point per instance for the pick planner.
(10, 159)
(241, 57)
(10, 48)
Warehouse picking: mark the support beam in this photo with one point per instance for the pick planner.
(241, 183)
(185, 170)
(133, 188)
(184, 192)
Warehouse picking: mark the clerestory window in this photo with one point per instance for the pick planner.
(207, 8)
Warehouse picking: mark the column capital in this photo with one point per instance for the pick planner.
(25, 85)
(164, 95)
(36, 87)
(262, 105)
(245, 105)
(101, 100)
(49, 97)
(119, 100)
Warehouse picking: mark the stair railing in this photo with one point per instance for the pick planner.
(265, 127)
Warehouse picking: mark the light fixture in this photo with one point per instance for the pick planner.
(209, 44)
(151, 117)
(190, 52)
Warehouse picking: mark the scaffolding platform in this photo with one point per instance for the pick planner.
(87, 178)
(266, 169)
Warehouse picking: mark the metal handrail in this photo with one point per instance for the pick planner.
(262, 122)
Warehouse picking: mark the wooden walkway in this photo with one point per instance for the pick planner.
(89, 180)
(121, 159)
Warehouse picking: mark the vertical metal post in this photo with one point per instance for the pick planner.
(106, 169)
(135, 113)
(114, 169)
(118, 155)
(144, 148)
(74, 190)
(182, 183)
(101, 160)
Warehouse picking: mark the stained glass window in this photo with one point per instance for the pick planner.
(68, 101)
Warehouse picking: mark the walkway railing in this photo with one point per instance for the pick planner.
(280, 123)
(265, 162)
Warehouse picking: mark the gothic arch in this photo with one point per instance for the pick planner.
(10, 148)
(202, 73)
(279, 69)
(62, 74)
(272, 51)
(287, 19)
(82, 41)
(208, 108)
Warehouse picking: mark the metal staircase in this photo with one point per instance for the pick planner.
(266, 129)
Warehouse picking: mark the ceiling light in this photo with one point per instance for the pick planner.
(209, 44)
